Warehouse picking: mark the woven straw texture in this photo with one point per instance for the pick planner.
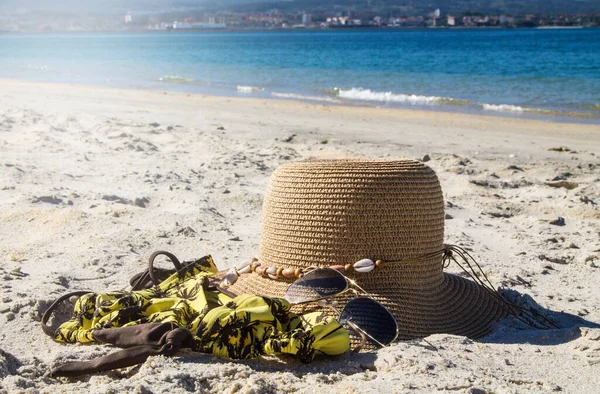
(336, 212)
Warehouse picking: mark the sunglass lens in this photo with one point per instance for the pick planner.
(316, 285)
(371, 317)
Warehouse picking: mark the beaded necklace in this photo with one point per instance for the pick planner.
(276, 273)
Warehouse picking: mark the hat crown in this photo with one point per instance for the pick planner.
(336, 212)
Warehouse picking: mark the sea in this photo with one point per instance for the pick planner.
(547, 73)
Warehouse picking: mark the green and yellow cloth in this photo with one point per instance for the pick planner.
(243, 327)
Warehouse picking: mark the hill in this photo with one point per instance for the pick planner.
(417, 7)
(385, 7)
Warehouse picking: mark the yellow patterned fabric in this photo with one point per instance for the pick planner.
(243, 327)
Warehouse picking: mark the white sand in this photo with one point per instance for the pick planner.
(73, 161)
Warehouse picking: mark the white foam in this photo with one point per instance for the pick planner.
(503, 108)
(369, 95)
(249, 89)
(176, 79)
(302, 97)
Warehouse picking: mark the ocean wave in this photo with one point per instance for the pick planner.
(503, 108)
(249, 89)
(538, 111)
(332, 92)
(177, 79)
(369, 95)
(302, 97)
(412, 99)
(570, 114)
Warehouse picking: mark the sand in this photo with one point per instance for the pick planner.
(93, 180)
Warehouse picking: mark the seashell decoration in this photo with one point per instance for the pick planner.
(364, 265)
(271, 272)
(230, 278)
(245, 268)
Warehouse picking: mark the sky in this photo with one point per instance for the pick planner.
(96, 5)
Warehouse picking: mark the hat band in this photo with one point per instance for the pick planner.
(448, 253)
(361, 266)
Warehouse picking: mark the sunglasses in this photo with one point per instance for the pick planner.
(365, 316)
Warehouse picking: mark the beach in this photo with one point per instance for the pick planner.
(94, 179)
(547, 73)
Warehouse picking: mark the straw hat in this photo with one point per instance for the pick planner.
(332, 213)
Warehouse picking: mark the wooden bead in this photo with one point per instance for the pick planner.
(260, 270)
(298, 272)
(279, 272)
(348, 267)
(379, 263)
(288, 273)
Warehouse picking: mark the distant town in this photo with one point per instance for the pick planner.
(275, 19)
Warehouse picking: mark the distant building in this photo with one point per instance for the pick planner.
(339, 20)
(411, 21)
(128, 17)
(435, 15)
(306, 19)
(198, 25)
(451, 21)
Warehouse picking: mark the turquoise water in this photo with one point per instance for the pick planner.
(541, 72)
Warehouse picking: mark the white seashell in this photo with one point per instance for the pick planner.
(272, 272)
(244, 265)
(364, 265)
(230, 278)
(245, 270)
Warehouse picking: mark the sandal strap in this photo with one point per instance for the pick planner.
(46, 316)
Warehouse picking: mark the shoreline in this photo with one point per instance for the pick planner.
(325, 100)
(291, 29)
(399, 112)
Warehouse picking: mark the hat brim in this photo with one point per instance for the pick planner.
(451, 305)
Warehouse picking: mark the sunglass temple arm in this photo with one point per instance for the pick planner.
(356, 328)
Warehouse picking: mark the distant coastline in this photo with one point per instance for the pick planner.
(563, 27)
(299, 14)
(292, 29)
